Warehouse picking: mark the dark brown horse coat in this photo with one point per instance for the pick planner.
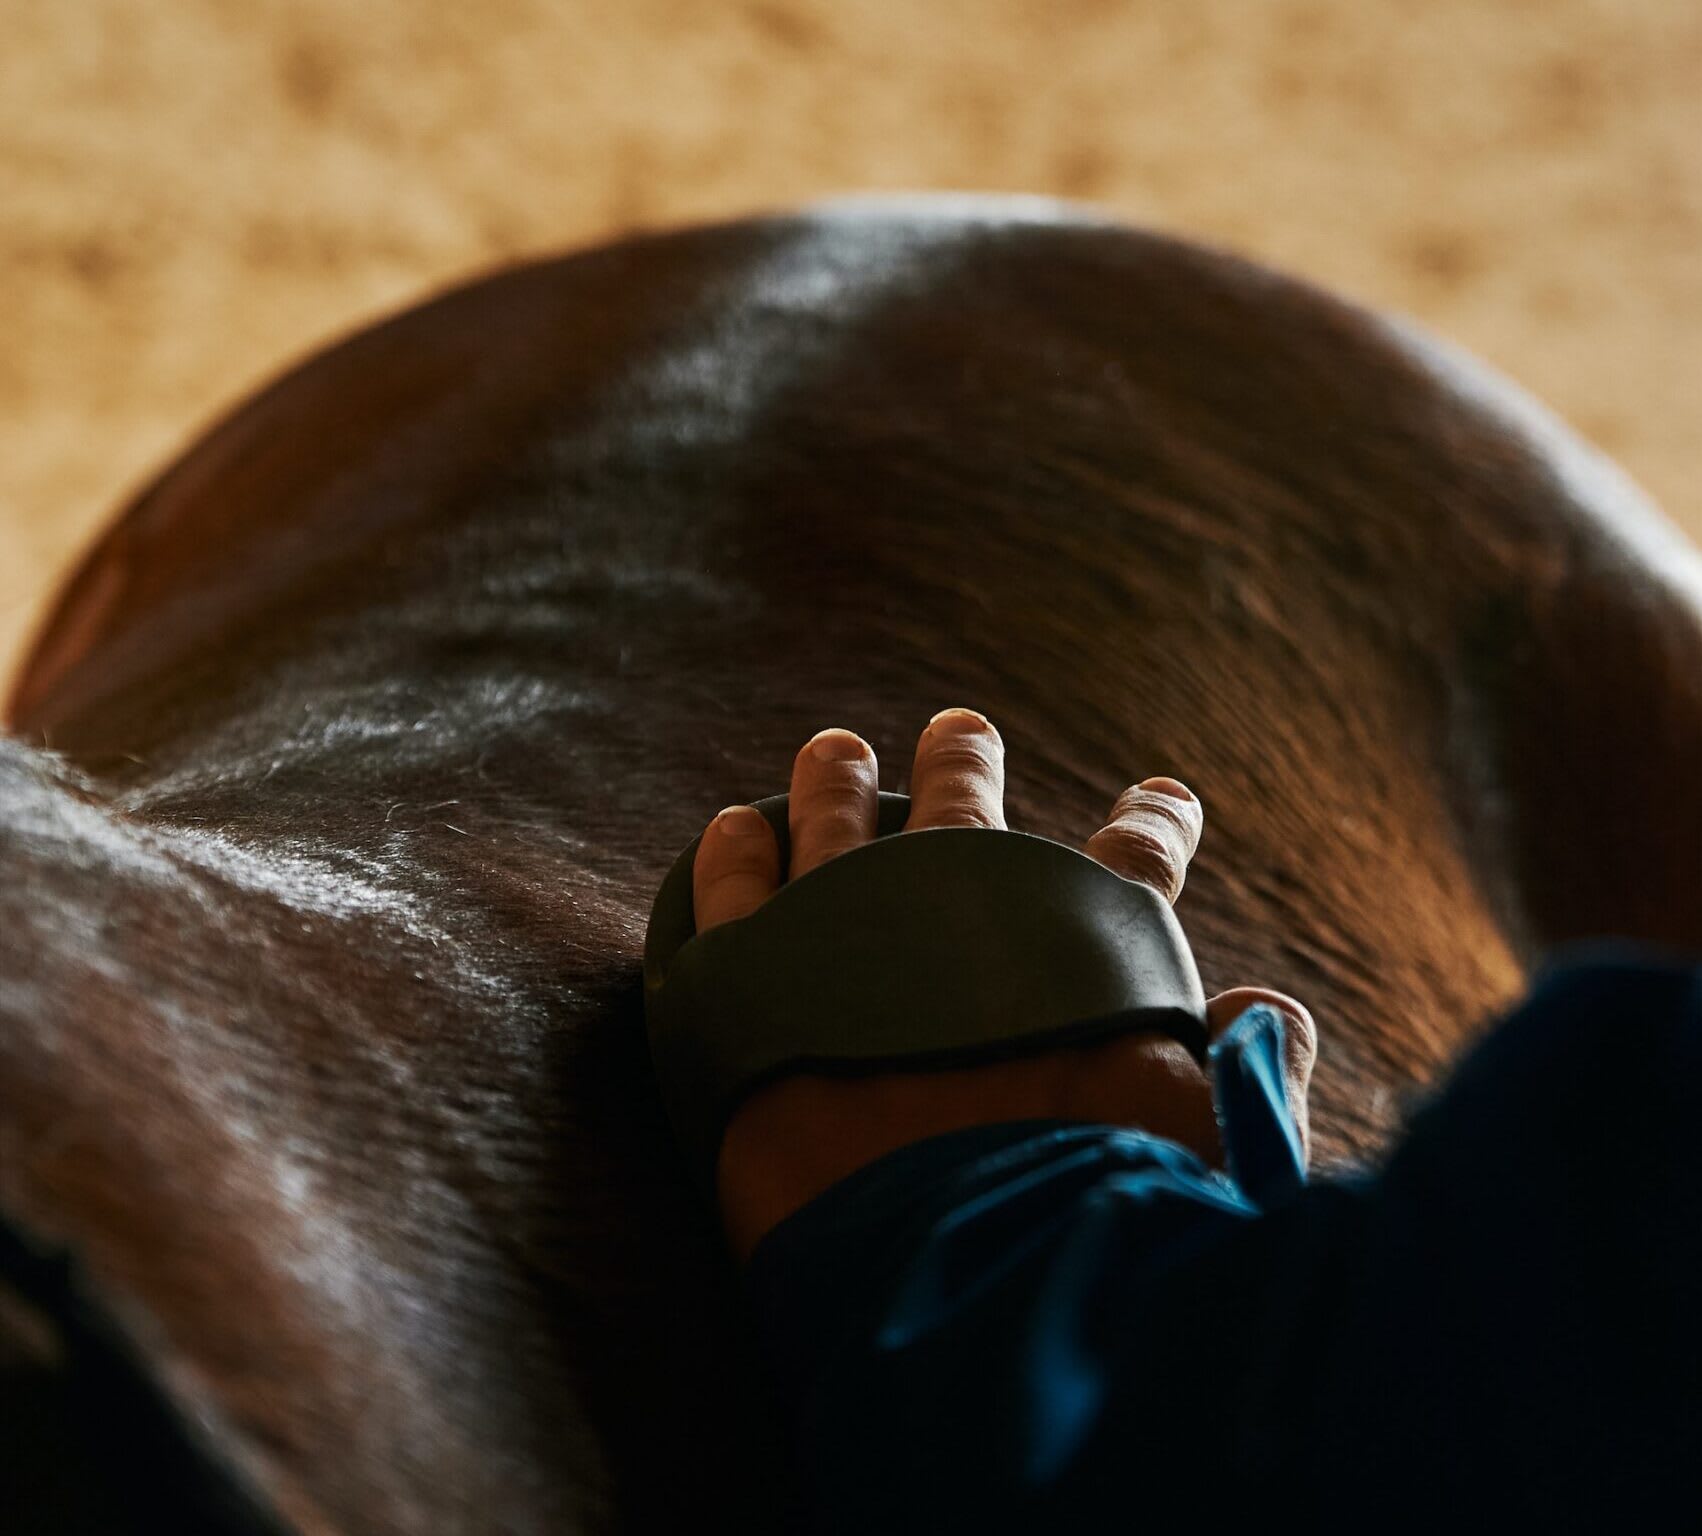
(349, 763)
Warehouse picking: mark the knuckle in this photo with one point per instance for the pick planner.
(965, 812)
(833, 815)
(959, 782)
(1153, 804)
(950, 775)
(834, 820)
(969, 751)
(1137, 852)
(831, 795)
(974, 813)
(959, 743)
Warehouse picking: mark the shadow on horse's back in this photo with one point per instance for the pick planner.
(376, 720)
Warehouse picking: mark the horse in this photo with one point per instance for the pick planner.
(343, 772)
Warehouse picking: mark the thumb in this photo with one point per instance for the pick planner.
(1299, 1043)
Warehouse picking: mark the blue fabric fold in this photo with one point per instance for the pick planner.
(1261, 1142)
(1040, 1321)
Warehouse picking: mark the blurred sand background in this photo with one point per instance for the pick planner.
(195, 193)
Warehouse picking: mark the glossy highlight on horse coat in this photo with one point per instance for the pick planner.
(346, 770)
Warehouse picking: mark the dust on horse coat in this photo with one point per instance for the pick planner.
(348, 765)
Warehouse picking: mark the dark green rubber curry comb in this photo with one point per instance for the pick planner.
(932, 949)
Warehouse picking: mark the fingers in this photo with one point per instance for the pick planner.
(833, 807)
(1152, 835)
(1299, 1043)
(957, 778)
(835, 802)
(737, 867)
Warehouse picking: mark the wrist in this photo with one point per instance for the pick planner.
(794, 1138)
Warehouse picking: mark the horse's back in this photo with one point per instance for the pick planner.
(384, 710)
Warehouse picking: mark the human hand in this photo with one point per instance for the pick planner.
(796, 1135)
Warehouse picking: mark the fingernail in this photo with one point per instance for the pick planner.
(741, 821)
(959, 721)
(1167, 786)
(835, 745)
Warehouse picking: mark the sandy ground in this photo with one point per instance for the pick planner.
(194, 193)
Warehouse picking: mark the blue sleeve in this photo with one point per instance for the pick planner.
(1038, 1322)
